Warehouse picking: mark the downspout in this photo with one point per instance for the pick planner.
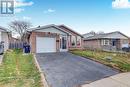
(9, 39)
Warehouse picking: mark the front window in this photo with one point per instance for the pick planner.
(73, 41)
(105, 42)
(78, 41)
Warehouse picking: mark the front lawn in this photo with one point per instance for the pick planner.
(120, 61)
(19, 70)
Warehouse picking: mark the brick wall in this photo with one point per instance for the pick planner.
(123, 41)
(92, 44)
(42, 34)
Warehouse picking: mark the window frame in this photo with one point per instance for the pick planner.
(105, 42)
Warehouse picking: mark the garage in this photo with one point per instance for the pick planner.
(45, 44)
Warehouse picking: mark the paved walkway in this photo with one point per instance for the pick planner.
(120, 80)
(68, 70)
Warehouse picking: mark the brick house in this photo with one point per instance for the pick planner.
(107, 41)
(54, 38)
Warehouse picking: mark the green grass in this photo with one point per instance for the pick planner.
(19, 70)
(120, 61)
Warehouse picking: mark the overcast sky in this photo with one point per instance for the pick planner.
(81, 15)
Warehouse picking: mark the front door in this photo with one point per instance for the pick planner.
(63, 44)
(113, 42)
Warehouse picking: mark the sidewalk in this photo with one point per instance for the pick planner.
(119, 80)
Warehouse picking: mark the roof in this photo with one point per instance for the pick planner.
(61, 26)
(105, 35)
(88, 35)
(47, 26)
(3, 29)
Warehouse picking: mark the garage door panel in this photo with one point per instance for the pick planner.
(45, 44)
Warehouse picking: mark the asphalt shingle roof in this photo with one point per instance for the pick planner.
(100, 36)
(4, 29)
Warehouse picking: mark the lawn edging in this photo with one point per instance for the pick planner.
(90, 58)
(43, 78)
(116, 63)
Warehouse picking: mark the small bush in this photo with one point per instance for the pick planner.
(17, 50)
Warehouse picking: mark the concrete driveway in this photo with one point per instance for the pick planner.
(119, 80)
(68, 70)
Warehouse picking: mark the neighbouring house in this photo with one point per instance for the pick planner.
(5, 37)
(54, 38)
(106, 41)
(129, 41)
(92, 33)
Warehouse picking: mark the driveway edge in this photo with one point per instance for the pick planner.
(43, 79)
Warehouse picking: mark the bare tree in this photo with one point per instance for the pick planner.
(92, 32)
(20, 27)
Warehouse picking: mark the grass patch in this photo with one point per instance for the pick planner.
(120, 61)
(19, 70)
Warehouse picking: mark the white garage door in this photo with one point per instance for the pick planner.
(45, 44)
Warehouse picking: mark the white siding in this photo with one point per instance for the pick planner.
(52, 30)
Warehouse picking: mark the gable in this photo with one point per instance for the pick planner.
(52, 30)
(116, 35)
(70, 31)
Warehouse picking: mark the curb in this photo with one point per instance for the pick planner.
(43, 79)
